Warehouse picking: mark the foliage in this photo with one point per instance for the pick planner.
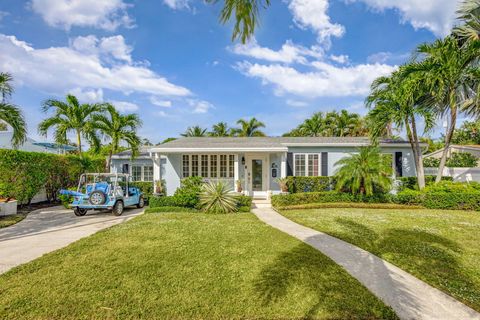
(187, 195)
(71, 116)
(244, 203)
(280, 201)
(10, 113)
(11, 219)
(220, 129)
(344, 205)
(468, 133)
(364, 171)
(217, 197)
(163, 201)
(249, 128)
(411, 182)
(462, 160)
(195, 131)
(24, 174)
(469, 13)
(433, 145)
(409, 197)
(146, 187)
(431, 162)
(308, 184)
(283, 183)
(169, 209)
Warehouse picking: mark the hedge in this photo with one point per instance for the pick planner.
(411, 182)
(145, 187)
(327, 196)
(169, 209)
(24, 174)
(308, 184)
(352, 205)
(244, 203)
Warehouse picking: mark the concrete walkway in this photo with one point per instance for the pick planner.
(46, 230)
(410, 297)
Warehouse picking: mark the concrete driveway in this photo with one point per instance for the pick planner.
(46, 230)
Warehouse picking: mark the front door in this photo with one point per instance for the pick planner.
(257, 174)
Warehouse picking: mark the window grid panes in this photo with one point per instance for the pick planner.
(204, 163)
(231, 161)
(223, 166)
(137, 173)
(300, 165)
(194, 165)
(186, 165)
(148, 173)
(313, 165)
(213, 166)
(307, 164)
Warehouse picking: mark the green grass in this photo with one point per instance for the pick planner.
(182, 266)
(6, 221)
(441, 247)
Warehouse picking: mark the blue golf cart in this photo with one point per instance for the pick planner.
(104, 191)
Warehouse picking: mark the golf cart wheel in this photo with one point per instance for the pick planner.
(118, 208)
(80, 212)
(141, 202)
(97, 198)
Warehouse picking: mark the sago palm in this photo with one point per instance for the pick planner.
(10, 113)
(118, 128)
(195, 131)
(71, 116)
(250, 128)
(361, 172)
(217, 197)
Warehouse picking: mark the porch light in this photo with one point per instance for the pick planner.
(243, 160)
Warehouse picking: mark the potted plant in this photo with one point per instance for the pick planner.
(159, 187)
(238, 185)
(8, 206)
(283, 183)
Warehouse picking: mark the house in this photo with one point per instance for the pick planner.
(455, 148)
(32, 145)
(255, 161)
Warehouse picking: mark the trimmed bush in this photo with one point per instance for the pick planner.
(452, 200)
(169, 209)
(188, 193)
(328, 196)
(353, 205)
(308, 184)
(163, 201)
(409, 197)
(411, 182)
(244, 203)
(145, 187)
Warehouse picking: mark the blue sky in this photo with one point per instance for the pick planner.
(175, 65)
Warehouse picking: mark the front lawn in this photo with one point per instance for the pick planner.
(6, 221)
(438, 246)
(186, 265)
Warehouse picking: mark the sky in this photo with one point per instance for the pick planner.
(174, 64)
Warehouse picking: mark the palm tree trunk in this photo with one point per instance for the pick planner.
(109, 160)
(418, 156)
(79, 142)
(448, 140)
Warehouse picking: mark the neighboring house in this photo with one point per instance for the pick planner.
(256, 162)
(456, 148)
(32, 145)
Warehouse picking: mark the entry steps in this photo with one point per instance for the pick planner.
(261, 203)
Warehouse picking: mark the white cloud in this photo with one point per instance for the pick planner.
(110, 47)
(161, 114)
(324, 80)
(199, 106)
(104, 14)
(435, 15)
(342, 59)
(59, 69)
(177, 4)
(161, 103)
(88, 95)
(288, 53)
(296, 103)
(312, 14)
(124, 106)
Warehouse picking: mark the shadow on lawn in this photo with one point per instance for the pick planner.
(427, 255)
(320, 285)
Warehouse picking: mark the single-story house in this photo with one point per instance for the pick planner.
(32, 145)
(474, 150)
(255, 161)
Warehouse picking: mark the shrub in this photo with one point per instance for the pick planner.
(163, 201)
(308, 184)
(431, 162)
(450, 186)
(169, 209)
(216, 197)
(467, 200)
(188, 193)
(456, 160)
(145, 187)
(409, 197)
(244, 203)
(411, 182)
(359, 205)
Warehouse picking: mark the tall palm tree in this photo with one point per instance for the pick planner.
(398, 99)
(250, 128)
(313, 126)
(469, 13)
(451, 74)
(195, 131)
(245, 14)
(220, 130)
(10, 113)
(71, 116)
(363, 171)
(118, 128)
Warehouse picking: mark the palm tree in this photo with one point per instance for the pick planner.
(344, 123)
(245, 13)
(397, 100)
(469, 13)
(451, 74)
(71, 116)
(118, 128)
(363, 171)
(10, 113)
(313, 126)
(195, 131)
(250, 128)
(220, 130)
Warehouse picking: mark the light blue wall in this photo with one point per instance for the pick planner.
(173, 172)
(277, 159)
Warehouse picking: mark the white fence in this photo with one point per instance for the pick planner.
(458, 174)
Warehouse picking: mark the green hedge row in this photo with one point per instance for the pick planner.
(169, 209)
(326, 196)
(24, 174)
(145, 187)
(244, 203)
(308, 184)
(411, 182)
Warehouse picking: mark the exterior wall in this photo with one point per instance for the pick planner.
(173, 172)
(458, 174)
(275, 158)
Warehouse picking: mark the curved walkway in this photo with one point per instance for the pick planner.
(49, 229)
(410, 297)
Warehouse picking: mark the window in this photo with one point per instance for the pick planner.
(186, 165)
(194, 165)
(231, 161)
(223, 166)
(204, 163)
(213, 166)
(137, 173)
(148, 173)
(313, 165)
(299, 165)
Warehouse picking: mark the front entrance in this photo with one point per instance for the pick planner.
(257, 174)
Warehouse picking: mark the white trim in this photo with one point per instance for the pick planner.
(216, 150)
(306, 154)
(347, 144)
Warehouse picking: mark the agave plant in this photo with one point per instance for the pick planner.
(217, 197)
